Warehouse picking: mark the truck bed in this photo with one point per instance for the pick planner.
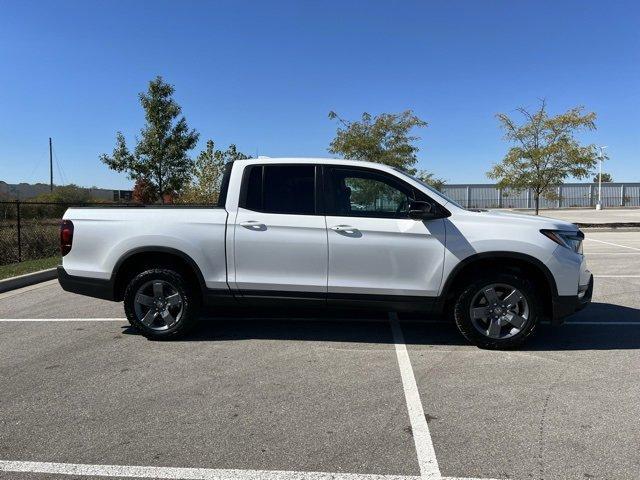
(105, 235)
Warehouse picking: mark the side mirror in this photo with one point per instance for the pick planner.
(419, 210)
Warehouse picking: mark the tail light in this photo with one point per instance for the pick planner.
(66, 236)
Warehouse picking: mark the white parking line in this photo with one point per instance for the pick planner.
(601, 323)
(177, 473)
(616, 276)
(422, 438)
(614, 244)
(589, 254)
(63, 319)
(182, 473)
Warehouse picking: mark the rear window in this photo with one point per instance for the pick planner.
(285, 189)
(254, 189)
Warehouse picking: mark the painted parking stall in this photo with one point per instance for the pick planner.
(342, 398)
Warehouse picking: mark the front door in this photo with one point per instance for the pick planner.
(280, 241)
(375, 249)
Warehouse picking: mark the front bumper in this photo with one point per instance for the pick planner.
(565, 305)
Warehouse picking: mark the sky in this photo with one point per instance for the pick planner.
(265, 74)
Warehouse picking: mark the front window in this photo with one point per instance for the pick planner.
(429, 187)
(359, 193)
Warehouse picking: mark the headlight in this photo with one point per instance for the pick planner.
(568, 239)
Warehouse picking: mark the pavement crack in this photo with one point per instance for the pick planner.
(541, 429)
(542, 425)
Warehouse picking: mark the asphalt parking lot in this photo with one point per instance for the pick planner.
(81, 394)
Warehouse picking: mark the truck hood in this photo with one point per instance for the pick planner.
(529, 220)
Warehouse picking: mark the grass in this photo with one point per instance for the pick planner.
(28, 266)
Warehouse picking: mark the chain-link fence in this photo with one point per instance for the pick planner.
(568, 195)
(29, 230)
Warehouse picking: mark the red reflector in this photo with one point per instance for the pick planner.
(66, 236)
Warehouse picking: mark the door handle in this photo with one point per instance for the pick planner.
(345, 229)
(254, 225)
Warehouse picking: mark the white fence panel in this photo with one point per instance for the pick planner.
(568, 195)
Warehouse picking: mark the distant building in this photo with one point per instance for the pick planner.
(123, 196)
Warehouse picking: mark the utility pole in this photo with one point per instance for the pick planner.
(50, 166)
(601, 158)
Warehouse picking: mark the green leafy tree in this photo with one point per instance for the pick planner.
(160, 156)
(204, 187)
(545, 151)
(386, 139)
(59, 199)
(431, 179)
(606, 178)
(66, 194)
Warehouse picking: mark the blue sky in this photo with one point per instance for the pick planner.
(265, 74)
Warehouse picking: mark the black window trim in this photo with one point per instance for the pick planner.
(393, 180)
(224, 185)
(317, 183)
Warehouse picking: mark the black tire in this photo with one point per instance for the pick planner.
(465, 323)
(184, 314)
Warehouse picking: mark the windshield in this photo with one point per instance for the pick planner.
(429, 187)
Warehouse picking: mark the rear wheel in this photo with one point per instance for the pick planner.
(497, 311)
(160, 304)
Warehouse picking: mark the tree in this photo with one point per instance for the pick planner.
(384, 139)
(606, 178)
(204, 187)
(160, 156)
(431, 179)
(63, 196)
(143, 191)
(546, 151)
(66, 194)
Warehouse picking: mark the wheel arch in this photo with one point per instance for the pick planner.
(504, 261)
(141, 258)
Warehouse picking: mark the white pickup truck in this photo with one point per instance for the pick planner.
(328, 233)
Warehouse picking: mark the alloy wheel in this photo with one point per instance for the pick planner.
(499, 311)
(158, 305)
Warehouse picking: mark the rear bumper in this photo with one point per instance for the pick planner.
(565, 305)
(91, 287)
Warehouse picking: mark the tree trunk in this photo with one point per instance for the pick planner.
(537, 202)
(160, 184)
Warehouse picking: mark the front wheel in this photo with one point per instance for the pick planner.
(497, 311)
(159, 303)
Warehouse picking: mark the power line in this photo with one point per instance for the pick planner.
(63, 176)
(36, 166)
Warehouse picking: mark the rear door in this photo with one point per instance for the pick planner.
(375, 249)
(280, 238)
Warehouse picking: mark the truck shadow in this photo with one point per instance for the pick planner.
(601, 326)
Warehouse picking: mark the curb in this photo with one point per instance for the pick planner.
(612, 225)
(605, 229)
(27, 279)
